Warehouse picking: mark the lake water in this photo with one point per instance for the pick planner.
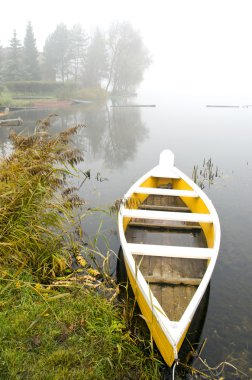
(120, 144)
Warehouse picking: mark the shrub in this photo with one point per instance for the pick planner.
(33, 87)
(91, 94)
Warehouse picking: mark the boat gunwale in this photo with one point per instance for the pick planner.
(173, 330)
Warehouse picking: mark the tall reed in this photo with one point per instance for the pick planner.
(36, 205)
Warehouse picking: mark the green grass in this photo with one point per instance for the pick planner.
(92, 94)
(6, 99)
(51, 334)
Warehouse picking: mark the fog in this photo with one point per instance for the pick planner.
(197, 47)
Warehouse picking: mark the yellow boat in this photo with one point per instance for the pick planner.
(170, 237)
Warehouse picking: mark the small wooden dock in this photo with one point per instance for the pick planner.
(132, 105)
(11, 122)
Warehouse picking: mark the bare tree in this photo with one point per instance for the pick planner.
(128, 58)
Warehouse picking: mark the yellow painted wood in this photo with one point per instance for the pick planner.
(198, 206)
(183, 338)
(161, 340)
(136, 199)
(150, 182)
(133, 203)
(164, 181)
(125, 223)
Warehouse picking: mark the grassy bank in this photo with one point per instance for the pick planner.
(29, 93)
(66, 333)
(56, 323)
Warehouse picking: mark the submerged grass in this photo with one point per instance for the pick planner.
(205, 175)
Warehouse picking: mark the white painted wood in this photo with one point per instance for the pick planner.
(166, 215)
(162, 173)
(166, 159)
(168, 174)
(170, 192)
(170, 251)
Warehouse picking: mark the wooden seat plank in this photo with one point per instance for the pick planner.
(171, 192)
(165, 226)
(170, 251)
(164, 208)
(173, 280)
(167, 215)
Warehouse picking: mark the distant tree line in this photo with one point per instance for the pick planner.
(114, 60)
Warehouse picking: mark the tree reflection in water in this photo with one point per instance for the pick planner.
(112, 134)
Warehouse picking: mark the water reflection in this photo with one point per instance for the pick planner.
(125, 131)
(111, 134)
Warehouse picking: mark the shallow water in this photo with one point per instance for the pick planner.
(121, 144)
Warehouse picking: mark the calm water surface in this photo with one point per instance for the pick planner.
(121, 144)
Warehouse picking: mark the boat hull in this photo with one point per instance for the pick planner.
(170, 273)
(166, 349)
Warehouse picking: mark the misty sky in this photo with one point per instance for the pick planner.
(198, 46)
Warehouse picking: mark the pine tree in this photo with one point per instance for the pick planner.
(56, 54)
(77, 51)
(1, 62)
(13, 64)
(30, 55)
